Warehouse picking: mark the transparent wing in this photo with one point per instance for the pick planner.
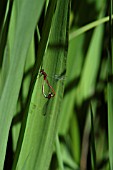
(58, 77)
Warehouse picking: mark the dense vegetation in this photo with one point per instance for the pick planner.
(56, 105)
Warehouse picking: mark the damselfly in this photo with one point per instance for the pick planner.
(45, 77)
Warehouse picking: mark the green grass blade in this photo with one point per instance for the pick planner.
(3, 6)
(74, 60)
(91, 65)
(41, 50)
(68, 161)
(40, 130)
(110, 117)
(29, 14)
(110, 89)
(88, 27)
(59, 154)
(93, 151)
(75, 138)
(3, 38)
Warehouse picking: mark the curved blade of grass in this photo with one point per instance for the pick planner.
(27, 19)
(58, 153)
(88, 27)
(68, 161)
(40, 131)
